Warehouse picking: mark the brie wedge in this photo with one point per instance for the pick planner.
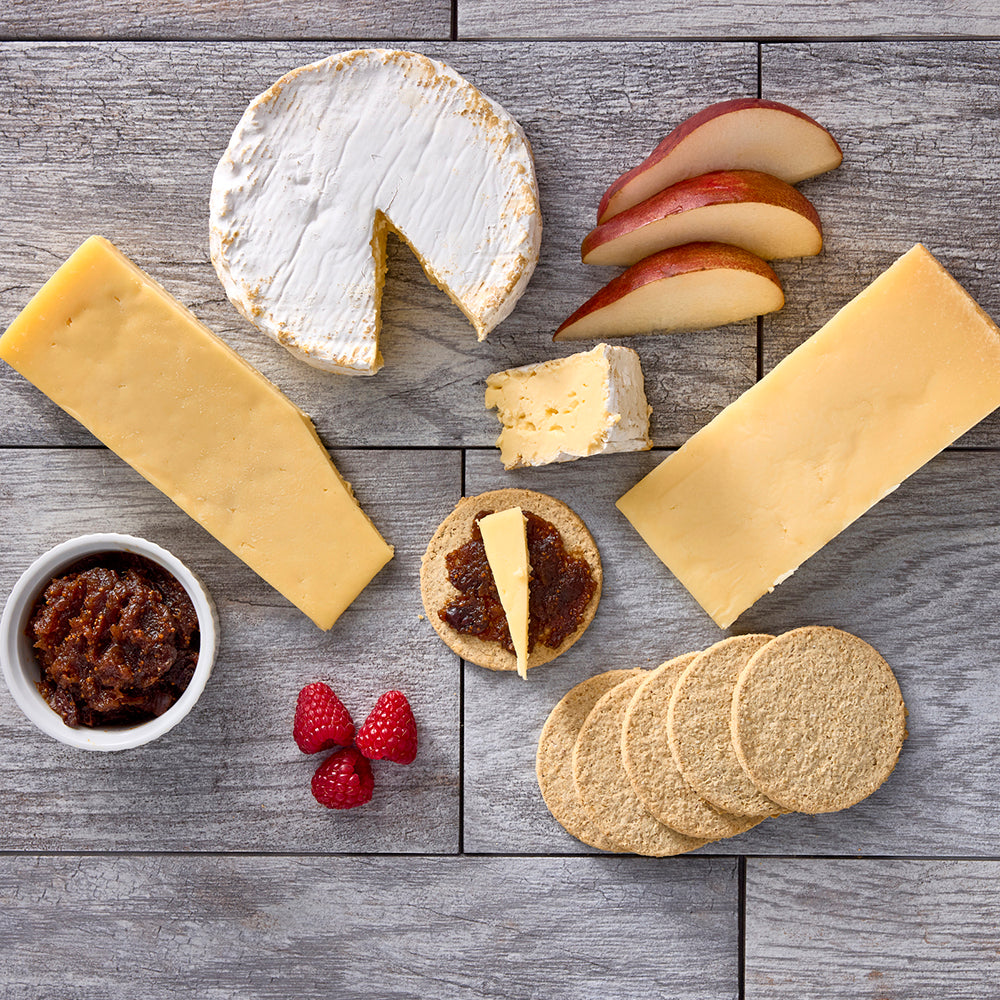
(334, 155)
(557, 411)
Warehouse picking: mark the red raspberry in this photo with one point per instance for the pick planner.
(390, 732)
(344, 780)
(321, 721)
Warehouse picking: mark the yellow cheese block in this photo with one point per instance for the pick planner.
(505, 538)
(897, 375)
(138, 370)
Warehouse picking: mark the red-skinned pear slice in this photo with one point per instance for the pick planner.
(746, 134)
(743, 207)
(692, 287)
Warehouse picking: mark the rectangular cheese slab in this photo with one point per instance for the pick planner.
(590, 403)
(139, 371)
(896, 376)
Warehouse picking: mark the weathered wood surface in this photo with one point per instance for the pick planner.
(132, 128)
(872, 930)
(229, 777)
(392, 928)
(917, 128)
(477, 19)
(119, 19)
(913, 577)
(122, 138)
(721, 19)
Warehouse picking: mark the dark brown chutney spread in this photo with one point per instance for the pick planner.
(116, 637)
(561, 588)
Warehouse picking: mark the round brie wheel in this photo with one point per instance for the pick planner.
(334, 155)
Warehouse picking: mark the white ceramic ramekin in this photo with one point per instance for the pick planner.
(20, 668)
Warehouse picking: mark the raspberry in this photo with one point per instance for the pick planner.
(321, 721)
(390, 732)
(344, 780)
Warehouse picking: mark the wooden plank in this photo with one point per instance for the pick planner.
(913, 577)
(220, 19)
(131, 136)
(229, 777)
(864, 929)
(720, 19)
(342, 928)
(918, 167)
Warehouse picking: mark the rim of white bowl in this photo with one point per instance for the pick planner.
(20, 667)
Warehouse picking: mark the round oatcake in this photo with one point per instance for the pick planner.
(456, 529)
(652, 769)
(554, 763)
(603, 785)
(818, 720)
(698, 728)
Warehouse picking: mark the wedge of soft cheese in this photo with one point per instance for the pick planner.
(558, 411)
(505, 538)
(336, 154)
(896, 376)
(119, 354)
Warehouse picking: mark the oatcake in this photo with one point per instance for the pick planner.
(652, 769)
(603, 785)
(554, 763)
(698, 728)
(818, 719)
(456, 529)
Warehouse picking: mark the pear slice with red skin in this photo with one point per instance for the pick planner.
(692, 287)
(745, 208)
(745, 134)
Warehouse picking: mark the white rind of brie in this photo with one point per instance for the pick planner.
(335, 154)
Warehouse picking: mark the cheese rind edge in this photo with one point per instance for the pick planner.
(588, 403)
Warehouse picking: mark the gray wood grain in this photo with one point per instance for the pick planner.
(644, 617)
(229, 777)
(721, 19)
(914, 577)
(222, 19)
(919, 129)
(392, 928)
(872, 929)
(122, 139)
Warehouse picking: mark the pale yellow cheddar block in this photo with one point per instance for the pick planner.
(896, 376)
(139, 371)
(505, 538)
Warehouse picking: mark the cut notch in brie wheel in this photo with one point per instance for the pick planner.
(335, 154)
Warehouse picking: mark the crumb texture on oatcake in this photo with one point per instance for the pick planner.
(603, 785)
(651, 766)
(818, 719)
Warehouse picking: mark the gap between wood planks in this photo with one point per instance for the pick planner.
(525, 39)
